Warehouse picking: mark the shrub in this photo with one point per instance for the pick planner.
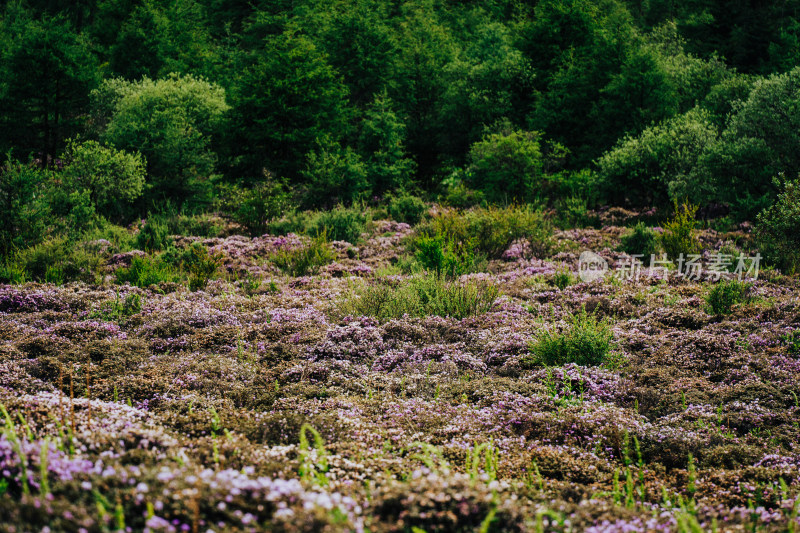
(114, 178)
(491, 231)
(334, 174)
(724, 295)
(154, 235)
(641, 240)
(118, 308)
(585, 341)
(146, 271)
(255, 208)
(12, 272)
(172, 122)
(462, 197)
(340, 224)
(776, 229)
(407, 208)
(291, 222)
(59, 260)
(574, 212)
(563, 278)
(306, 259)
(445, 257)
(23, 212)
(661, 164)
(200, 265)
(510, 166)
(421, 296)
(679, 235)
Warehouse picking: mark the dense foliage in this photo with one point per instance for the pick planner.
(359, 99)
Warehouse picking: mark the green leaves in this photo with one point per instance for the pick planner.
(171, 122)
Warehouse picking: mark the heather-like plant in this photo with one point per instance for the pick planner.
(306, 259)
(641, 240)
(680, 236)
(585, 341)
(726, 294)
(421, 296)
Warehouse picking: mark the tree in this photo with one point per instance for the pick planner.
(761, 142)
(382, 142)
(662, 164)
(172, 122)
(489, 80)
(334, 175)
(113, 178)
(47, 72)
(510, 166)
(23, 205)
(287, 98)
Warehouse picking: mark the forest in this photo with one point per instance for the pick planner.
(399, 266)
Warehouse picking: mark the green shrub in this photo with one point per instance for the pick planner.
(445, 257)
(200, 265)
(340, 224)
(777, 232)
(23, 211)
(306, 259)
(491, 231)
(407, 208)
(112, 177)
(585, 341)
(256, 207)
(11, 271)
(421, 296)
(563, 278)
(59, 260)
(116, 309)
(334, 175)
(680, 236)
(462, 197)
(724, 295)
(511, 166)
(641, 240)
(154, 235)
(146, 271)
(291, 222)
(573, 212)
(172, 121)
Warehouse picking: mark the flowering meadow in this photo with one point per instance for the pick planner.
(365, 396)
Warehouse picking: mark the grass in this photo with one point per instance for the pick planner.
(585, 341)
(421, 296)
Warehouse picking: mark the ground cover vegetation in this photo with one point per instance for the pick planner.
(314, 266)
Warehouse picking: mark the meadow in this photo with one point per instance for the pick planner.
(402, 381)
